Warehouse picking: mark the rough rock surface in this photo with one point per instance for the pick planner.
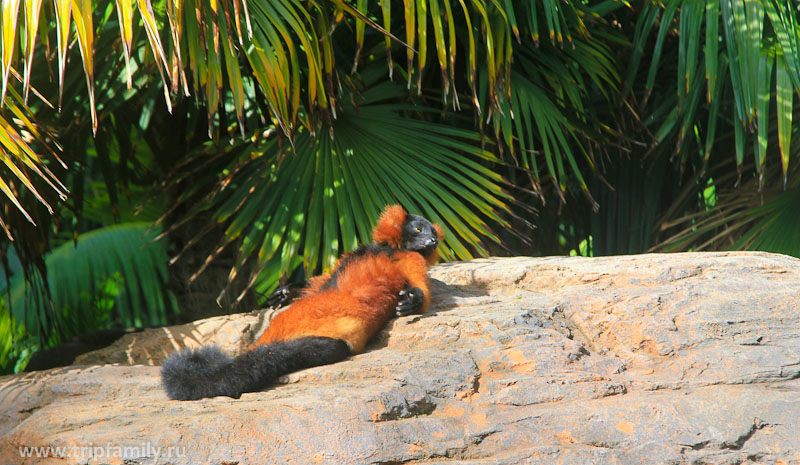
(682, 358)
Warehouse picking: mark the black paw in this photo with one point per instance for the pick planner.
(410, 301)
(284, 295)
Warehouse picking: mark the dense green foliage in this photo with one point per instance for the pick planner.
(264, 137)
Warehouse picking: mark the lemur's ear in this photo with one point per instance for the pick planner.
(389, 229)
(439, 232)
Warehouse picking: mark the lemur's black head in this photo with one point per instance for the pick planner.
(401, 230)
(419, 234)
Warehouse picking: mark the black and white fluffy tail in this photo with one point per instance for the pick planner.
(207, 372)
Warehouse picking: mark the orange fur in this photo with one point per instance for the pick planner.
(389, 230)
(439, 231)
(433, 257)
(366, 293)
(315, 283)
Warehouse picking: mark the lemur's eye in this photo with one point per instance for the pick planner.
(418, 230)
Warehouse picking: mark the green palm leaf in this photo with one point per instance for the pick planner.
(759, 39)
(16, 345)
(75, 272)
(739, 217)
(305, 205)
(547, 114)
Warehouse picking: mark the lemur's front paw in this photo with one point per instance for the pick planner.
(410, 301)
(284, 295)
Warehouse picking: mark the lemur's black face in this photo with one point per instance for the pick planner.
(419, 235)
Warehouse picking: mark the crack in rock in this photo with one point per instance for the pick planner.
(741, 440)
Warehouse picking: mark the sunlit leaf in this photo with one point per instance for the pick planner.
(32, 9)
(151, 27)
(9, 10)
(712, 45)
(85, 29)
(785, 99)
(63, 10)
(125, 17)
(762, 111)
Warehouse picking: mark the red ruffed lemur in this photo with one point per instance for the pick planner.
(335, 317)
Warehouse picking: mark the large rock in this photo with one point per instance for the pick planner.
(682, 358)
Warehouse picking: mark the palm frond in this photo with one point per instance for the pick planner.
(23, 166)
(75, 273)
(756, 213)
(16, 345)
(756, 41)
(546, 119)
(304, 205)
(211, 37)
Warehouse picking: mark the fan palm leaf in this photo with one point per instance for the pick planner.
(304, 205)
(76, 270)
